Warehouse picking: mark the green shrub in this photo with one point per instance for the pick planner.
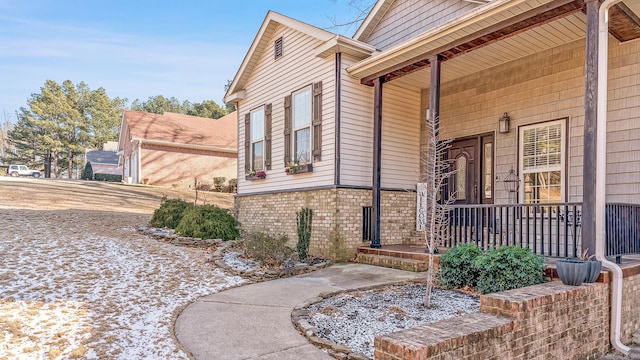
(508, 267)
(208, 222)
(107, 177)
(457, 268)
(233, 186)
(304, 219)
(269, 250)
(87, 173)
(218, 183)
(169, 213)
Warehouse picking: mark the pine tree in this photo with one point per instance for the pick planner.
(61, 122)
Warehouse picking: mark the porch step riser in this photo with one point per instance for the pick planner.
(422, 256)
(393, 262)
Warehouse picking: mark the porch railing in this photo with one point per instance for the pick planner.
(552, 230)
(547, 229)
(367, 223)
(623, 230)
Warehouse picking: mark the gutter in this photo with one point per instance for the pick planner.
(601, 163)
(187, 146)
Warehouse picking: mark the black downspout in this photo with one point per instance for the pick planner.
(377, 157)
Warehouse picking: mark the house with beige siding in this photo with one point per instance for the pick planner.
(175, 149)
(339, 124)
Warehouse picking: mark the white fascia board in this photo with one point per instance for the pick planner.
(187, 146)
(346, 45)
(235, 97)
(373, 14)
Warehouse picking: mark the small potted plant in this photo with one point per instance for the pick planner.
(256, 175)
(295, 167)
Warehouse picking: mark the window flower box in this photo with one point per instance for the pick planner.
(298, 169)
(256, 175)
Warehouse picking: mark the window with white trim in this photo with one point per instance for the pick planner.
(301, 105)
(257, 139)
(542, 162)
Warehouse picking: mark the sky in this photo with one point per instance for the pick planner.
(136, 49)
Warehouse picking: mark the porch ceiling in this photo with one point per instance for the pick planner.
(526, 43)
(557, 23)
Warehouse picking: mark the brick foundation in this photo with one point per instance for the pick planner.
(336, 213)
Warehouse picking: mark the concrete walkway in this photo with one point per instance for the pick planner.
(254, 321)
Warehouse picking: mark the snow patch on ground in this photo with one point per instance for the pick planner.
(157, 231)
(234, 260)
(67, 294)
(383, 311)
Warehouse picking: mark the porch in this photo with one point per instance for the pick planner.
(467, 82)
(550, 230)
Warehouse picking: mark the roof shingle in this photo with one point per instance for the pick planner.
(184, 129)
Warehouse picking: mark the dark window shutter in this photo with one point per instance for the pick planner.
(287, 130)
(317, 121)
(247, 143)
(267, 136)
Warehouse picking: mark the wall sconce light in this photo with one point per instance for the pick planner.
(503, 123)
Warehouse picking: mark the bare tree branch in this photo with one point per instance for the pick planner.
(437, 172)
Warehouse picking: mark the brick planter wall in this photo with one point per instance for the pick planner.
(546, 321)
(630, 303)
(336, 212)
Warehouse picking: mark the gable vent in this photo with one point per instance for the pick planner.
(277, 48)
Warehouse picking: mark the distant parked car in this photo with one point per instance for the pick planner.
(22, 170)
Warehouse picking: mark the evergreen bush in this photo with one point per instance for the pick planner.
(218, 183)
(270, 250)
(508, 267)
(457, 267)
(107, 177)
(233, 185)
(170, 212)
(87, 173)
(208, 222)
(304, 219)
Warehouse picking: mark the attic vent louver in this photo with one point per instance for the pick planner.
(277, 48)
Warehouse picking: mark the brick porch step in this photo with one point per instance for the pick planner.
(393, 262)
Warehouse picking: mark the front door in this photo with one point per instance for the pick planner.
(464, 183)
(472, 160)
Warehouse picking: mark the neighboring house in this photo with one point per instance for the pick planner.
(174, 149)
(104, 161)
(506, 78)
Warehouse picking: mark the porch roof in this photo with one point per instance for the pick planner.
(501, 21)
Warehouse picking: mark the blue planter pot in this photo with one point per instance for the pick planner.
(594, 268)
(572, 272)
